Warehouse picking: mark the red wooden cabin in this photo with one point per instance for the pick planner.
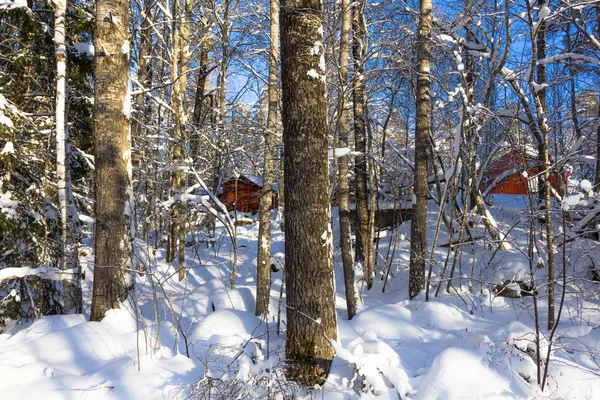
(516, 182)
(243, 194)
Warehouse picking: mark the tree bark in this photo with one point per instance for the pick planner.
(573, 90)
(418, 233)
(343, 188)
(140, 125)
(364, 249)
(597, 177)
(219, 126)
(539, 95)
(311, 317)
(112, 243)
(71, 288)
(176, 149)
(181, 55)
(263, 267)
(203, 71)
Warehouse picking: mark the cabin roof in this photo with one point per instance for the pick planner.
(506, 148)
(249, 178)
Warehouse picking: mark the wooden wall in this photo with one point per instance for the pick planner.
(243, 196)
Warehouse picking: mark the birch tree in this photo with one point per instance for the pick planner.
(72, 300)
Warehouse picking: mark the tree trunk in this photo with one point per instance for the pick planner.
(343, 188)
(418, 234)
(311, 316)
(219, 126)
(223, 70)
(541, 97)
(573, 90)
(597, 177)
(176, 150)
(112, 242)
(181, 54)
(263, 267)
(364, 249)
(72, 300)
(199, 112)
(539, 94)
(143, 120)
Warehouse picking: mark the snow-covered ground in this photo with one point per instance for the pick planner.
(466, 344)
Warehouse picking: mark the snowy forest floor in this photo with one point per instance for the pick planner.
(470, 344)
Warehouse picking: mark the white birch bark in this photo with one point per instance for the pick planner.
(68, 261)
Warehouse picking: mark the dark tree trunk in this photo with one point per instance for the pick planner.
(343, 188)
(364, 248)
(199, 111)
(142, 117)
(418, 233)
(597, 177)
(311, 317)
(112, 244)
(541, 95)
(573, 90)
(545, 189)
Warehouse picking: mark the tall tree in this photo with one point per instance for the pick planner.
(72, 300)
(203, 71)
(311, 318)
(263, 270)
(179, 69)
(224, 27)
(143, 117)
(538, 52)
(364, 246)
(418, 233)
(113, 157)
(343, 188)
(597, 174)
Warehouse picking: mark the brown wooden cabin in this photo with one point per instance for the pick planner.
(516, 183)
(243, 194)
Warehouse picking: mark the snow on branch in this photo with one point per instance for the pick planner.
(49, 273)
(11, 4)
(582, 58)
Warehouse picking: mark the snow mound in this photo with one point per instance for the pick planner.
(61, 357)
(459, 373)
(425, 323)
(377, 320)
(214, 295)
(512, 267)
(223, 323)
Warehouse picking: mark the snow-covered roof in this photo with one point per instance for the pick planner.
(257, 180)
(254, 179)
(527, 150)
